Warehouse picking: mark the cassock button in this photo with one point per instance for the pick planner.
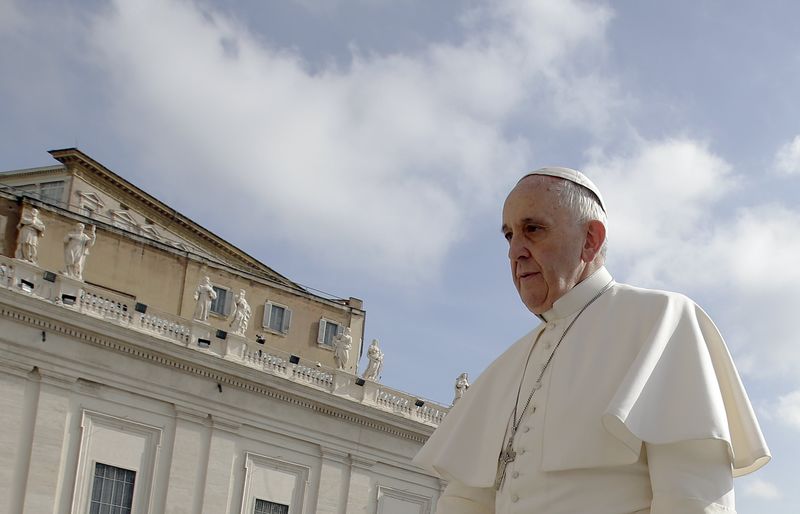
(515, 498)
(515, 474)
(526, 428)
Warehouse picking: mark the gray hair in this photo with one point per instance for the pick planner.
(584, 206)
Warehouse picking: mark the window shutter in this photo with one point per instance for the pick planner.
(339, 329)
(321, 331)
(267, 315)
(228, 302)
(287, 319)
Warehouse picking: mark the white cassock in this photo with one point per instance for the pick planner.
(640, 411)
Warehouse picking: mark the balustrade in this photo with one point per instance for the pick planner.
(114, 308)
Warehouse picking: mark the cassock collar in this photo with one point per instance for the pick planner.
(578, 296)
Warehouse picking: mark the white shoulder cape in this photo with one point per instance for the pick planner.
(638, 366)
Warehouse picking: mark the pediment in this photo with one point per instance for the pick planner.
(90, 199)
(150, 231)
(123, 219)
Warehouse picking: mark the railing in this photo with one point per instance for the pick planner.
(100, 303)
(278, 363)
(411, 406)
(165, 325)
(104, 304)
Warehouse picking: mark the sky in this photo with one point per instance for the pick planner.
(365, 147)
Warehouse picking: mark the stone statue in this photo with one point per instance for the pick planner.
(31, 228)
(341, 348)
(7, 274)
(204, 294)
(375, 356)
(462, 384)
(241, 314)
(76, 248)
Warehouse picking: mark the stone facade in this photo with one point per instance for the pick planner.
(113, 373)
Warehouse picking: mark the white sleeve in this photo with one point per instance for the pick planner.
(691, 477)
(458, 498)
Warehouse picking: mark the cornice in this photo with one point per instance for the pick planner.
(76, 160)
(41, 171)
(65, 328)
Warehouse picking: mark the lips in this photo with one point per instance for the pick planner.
(528, 274)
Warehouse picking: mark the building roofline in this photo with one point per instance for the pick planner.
(34, 171)
(68, 156)
(250, 274)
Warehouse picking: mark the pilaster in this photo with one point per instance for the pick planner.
(333, 483)
(220, 466)
(47, 446)
(187, 469)
(360, 491)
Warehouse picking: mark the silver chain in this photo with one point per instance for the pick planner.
(538, 384)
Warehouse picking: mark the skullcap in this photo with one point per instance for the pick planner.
(574, 176)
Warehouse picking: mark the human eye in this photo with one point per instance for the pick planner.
(507, 234)
(531, 228)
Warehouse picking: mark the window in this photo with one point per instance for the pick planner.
(53, 191)
(112, 490)
(327, 331)
(273, 486)
(266, 507)
(277, 317)
(89, 203)
(111, 481)
(47, 191)
(220, 305)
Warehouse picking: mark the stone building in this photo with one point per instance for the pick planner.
(131, 384)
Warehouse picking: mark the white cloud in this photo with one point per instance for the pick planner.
(386, 160)
(761, 489)
(670, 228)
(787, 409)
(787, 159)
(659, 197)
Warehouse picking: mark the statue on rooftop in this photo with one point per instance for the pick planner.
(375, 356)
(204, 294)
(462, 384)
(342, 344)
(31, 228)
(76, 248)
(241, 314)
(6, 274)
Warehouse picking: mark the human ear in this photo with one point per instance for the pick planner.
(595, 237)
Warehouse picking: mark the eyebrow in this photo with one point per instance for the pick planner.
(524, 221)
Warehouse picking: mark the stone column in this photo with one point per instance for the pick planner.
(220, 466)
(332, 490)
(43, 485)
(361, 496)
(15, 431)
(189, 458)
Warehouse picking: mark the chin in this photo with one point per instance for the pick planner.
(534, 307)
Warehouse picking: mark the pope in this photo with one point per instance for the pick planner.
(622, 400)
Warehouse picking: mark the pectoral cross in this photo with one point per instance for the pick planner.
(507, 456)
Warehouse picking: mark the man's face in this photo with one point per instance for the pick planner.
(545, 243)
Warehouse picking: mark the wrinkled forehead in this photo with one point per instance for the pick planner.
(534, 189)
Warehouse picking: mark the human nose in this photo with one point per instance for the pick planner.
(517, 249)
